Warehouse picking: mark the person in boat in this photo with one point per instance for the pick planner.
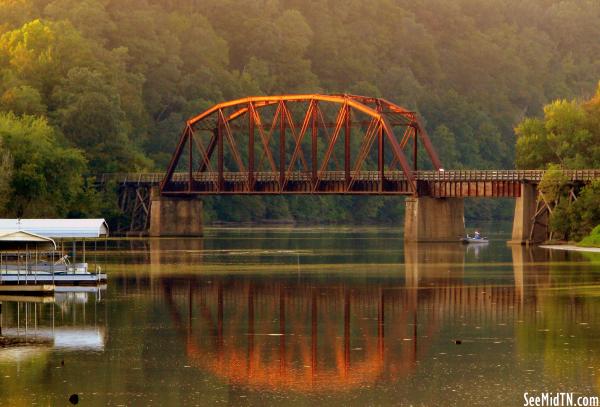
(477, 235)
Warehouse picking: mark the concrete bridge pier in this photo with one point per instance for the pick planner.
(530, 225)
(429, 219)
(180, 216)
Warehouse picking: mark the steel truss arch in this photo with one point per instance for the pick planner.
(282, 135)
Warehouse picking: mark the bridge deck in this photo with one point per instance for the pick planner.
(453, 183)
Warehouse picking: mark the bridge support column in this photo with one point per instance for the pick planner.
(528, 227)
(175, 216)
(434, 219)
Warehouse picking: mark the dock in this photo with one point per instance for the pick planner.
(25, 297)
(29, 289)
(50, 279)
(27, 259)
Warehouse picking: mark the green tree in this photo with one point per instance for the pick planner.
(90, 115)
(555, 191)
(13, 13)
(23, 99)
(40, 53)
(567, 135)
(586, 211)
(46, 177)
(90, 17)
(6, 169)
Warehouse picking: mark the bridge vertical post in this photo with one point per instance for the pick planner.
(380, 156)
(190, 158)
(428, 219)
(282, 146)
(250, 149)
(415, 150)
(174, 216)
(314, 135)
(220, 180)
(347, 147)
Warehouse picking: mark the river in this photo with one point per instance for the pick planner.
(311, 316)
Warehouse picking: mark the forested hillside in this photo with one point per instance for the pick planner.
(91, 86)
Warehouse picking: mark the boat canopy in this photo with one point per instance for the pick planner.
(23, 240)
(58, 228)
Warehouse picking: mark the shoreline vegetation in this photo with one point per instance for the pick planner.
(565, 138)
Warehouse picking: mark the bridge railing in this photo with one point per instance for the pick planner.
(480, 175)
(504, 175)
(533, 176)
(295, 176)
(263, 176)
(131, 178)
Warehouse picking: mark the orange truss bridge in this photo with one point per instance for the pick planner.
(325, 144)
(300, 144)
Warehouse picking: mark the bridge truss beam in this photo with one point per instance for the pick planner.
(293, 144)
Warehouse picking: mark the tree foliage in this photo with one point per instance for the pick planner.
(6, 167)
(115, 80)
(45, 178)
(567, 137)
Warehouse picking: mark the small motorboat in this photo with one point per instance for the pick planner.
(474, 240)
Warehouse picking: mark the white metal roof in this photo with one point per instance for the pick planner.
(21, 239)
(58, 228)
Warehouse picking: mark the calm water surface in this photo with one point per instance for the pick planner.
(308, 317)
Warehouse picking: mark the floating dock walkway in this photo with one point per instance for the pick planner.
(47, 284)
(56, 279)
(29, 289)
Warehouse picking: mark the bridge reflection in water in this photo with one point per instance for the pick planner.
(324, 332)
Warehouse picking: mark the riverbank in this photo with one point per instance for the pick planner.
(571, 247)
